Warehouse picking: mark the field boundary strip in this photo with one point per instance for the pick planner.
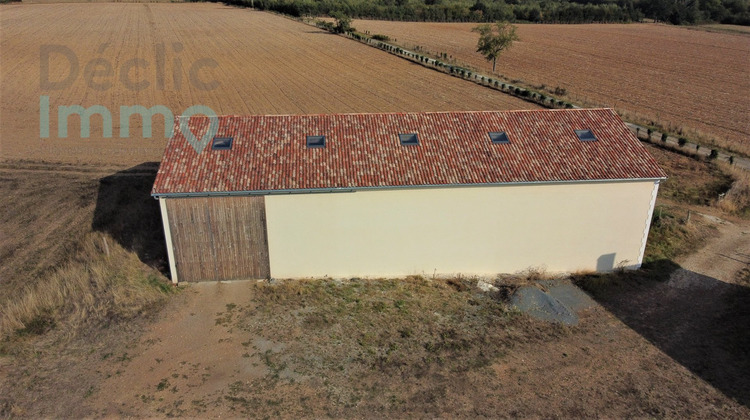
(678, 144)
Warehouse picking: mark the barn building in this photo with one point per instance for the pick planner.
(386, 195)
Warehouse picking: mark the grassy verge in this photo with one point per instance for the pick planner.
(101, 285)
(736, 200)
(672, 236)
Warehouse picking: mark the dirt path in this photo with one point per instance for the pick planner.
(188, 360)
(699, 316)
(725, 257)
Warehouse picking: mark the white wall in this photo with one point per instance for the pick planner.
(469, 230)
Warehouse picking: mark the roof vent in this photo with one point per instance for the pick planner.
(499, 137)
(585, 135)
(410, 139)
(316, 142)
(222, 143)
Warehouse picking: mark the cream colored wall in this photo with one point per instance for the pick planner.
(469, 230)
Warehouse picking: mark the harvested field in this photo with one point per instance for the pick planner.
(680, 78)
(261, 63)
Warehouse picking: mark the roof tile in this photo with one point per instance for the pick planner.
(269, 152)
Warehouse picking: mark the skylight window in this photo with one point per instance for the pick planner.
(222, 143)
(410, 139)
(499, 137)
(316, 142)
(585, 135)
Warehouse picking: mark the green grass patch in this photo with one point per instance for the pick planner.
(671, 235)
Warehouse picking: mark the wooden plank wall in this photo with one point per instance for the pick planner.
(219, 238)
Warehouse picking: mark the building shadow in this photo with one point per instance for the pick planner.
(699, 321)
(127, 212)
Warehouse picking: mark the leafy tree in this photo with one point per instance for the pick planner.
(343, 22)
(494, 38)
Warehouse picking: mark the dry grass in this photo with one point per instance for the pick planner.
(92, 256)
(692, 180)
(737, 200)
(373, 346)
(671, 236)
(402, 348)
(101, 285)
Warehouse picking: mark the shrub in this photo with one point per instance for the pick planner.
(714, 154)
(682, 141)
(381, 37)
(664, 137)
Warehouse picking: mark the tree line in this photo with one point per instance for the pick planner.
(538, 11)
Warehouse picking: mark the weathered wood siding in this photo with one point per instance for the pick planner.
(219, 238)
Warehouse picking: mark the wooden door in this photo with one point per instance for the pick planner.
(219, 238)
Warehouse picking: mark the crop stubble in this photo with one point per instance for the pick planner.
(675, 76)
(266, 65)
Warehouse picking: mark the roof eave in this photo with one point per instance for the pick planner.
(390, 187)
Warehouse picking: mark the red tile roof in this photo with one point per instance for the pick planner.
(363, 150)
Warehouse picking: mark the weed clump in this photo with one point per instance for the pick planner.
(102, 284)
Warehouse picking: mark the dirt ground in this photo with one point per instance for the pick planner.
(262, 63)
(672, 75)
(633, 355)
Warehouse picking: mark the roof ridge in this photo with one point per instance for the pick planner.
(514, 111)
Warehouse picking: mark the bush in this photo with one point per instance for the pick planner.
(328, 26)
(664, 137)
(381, 37)
(682, 141)
(714, 154)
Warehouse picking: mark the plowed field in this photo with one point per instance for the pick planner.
(679, 77)
(117, 54)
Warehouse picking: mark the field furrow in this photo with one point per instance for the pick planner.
(260, 63)
(681, 78)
